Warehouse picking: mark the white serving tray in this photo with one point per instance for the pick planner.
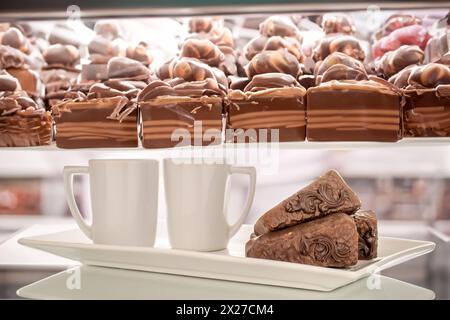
(230, 264)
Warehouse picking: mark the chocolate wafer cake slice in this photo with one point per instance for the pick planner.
(327, 195)
(331, 241)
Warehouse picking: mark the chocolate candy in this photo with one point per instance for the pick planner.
(394, 61)
(273, 61)
(203, 50)
(339, 66)
(279, 26)
(254, 46)
(125, 68)
(11, 58)
(61, 55)
(331, 241)
(108, 29)
(270, 107)
(13, 37)
(327, 195)
(429, 76)
(8, 82)
(339, 43)
(410, 35)
(366, 225)
(200, 24)
(366, 110)
(140, 53)
(337, 23)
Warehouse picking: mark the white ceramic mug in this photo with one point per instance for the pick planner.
(124, 199)
(196, 205)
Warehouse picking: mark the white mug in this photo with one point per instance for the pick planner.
(124, 199)
(196, 205)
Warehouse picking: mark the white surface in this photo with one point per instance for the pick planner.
(406, 142)
(108, 283)
(196, 198)
(228, 264)
(124, 200)
(15, 256)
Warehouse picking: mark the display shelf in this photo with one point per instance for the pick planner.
(407, 142)
(36, 10)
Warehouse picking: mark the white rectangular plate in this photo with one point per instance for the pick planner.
(230, 264)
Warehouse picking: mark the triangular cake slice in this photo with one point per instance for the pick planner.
(366, 224)
(326, 195)
(328, 242)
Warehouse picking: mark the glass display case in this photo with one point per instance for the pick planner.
(398, 163)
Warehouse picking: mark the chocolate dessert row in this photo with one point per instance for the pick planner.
(274, 88)
(320, 225)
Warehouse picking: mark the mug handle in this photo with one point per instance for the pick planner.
(69, 172)
(251, 172)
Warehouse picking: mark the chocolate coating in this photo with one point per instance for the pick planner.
(429, 76)
(140, 53)
(203, 50)
(65, 55)
(337, 23)
(270, 80)
(339, 66)
(339, 43)
(327, 195)
(125, 68)
(400, 79)
(200, 24)
(8, 82)
(328, 242)
(11, 58)
(278, 26)
(254, 46)
(273, 61)
(13, 37)
(394, 61)
(397, 21)
(107, 29)
(366, 225)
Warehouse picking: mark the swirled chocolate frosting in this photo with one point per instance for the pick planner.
(273, 61)
(279, 26)
(327, 195)
(339, 43)
(366, 225)
(394, 61)
(254, 46)
(61, 55)
(337, 23)
(8, 83)
(429, 76)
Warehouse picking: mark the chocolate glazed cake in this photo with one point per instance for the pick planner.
(427, 112)
(327, 195)
(350, 110)
(22, 122)
(328, 242)
(186, 109)
(269, 101)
